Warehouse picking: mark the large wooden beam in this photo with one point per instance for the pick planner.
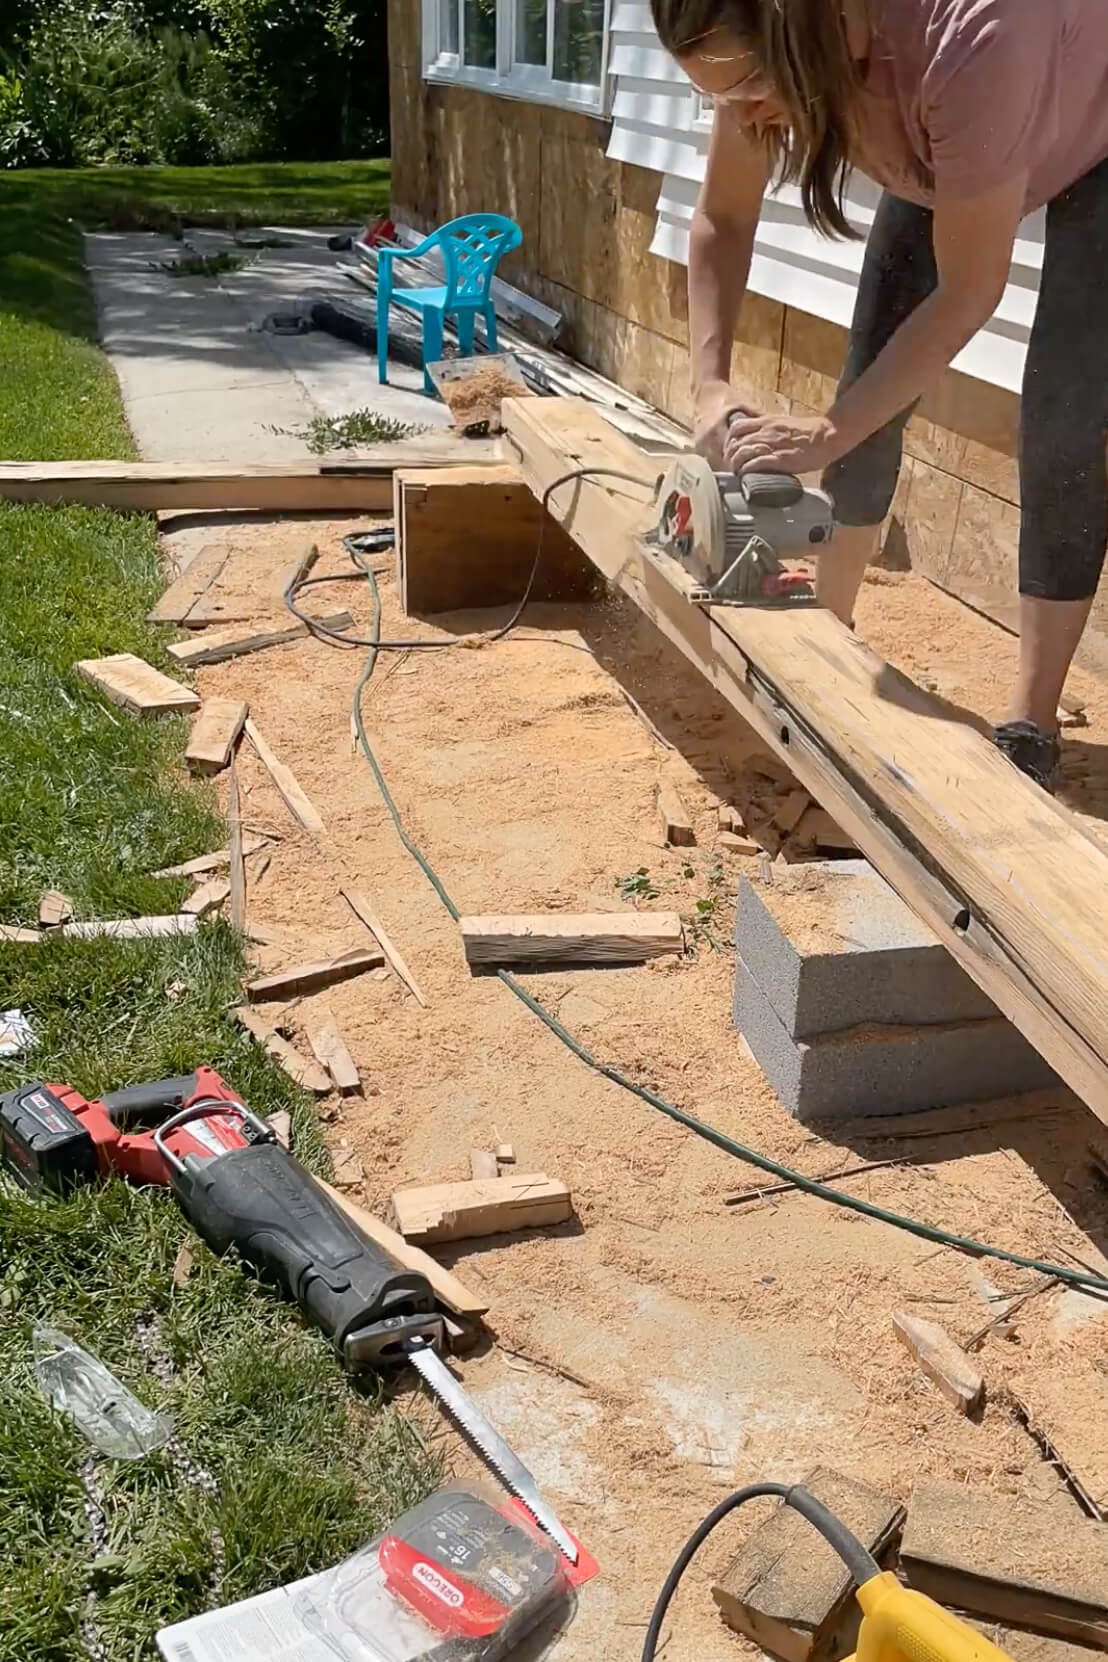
(1003, 874)
(358, 486)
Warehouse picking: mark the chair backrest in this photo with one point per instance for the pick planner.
(471, 247)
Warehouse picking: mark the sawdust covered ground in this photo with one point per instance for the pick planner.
(666, 1346)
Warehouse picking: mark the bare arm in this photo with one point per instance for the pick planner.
(721, 241)
(973, 253)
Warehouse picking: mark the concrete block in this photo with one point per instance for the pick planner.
(885, 1070)
(832, 946)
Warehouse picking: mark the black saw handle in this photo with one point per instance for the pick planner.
(261, 1201)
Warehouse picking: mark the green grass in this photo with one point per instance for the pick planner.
(95, 801)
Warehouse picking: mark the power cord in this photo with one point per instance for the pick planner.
(1083, 1280)
(861, 1564)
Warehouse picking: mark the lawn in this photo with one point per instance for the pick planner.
(303, 1468)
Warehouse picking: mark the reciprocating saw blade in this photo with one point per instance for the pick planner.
(489, 1443)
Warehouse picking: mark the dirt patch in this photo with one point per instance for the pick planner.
(685, 1346)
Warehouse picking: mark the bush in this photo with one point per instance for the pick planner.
(229, 80)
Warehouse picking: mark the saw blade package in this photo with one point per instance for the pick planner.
(465, 1576)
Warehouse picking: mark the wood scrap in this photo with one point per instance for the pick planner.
(183, 593)
(285, 780)
(790, 810)
(677, 827)
(308, 1074)
(11, 934)
(557, 937)
(213, 646)
(505, 1154)
(293, 575)
(452, 1292)
(130, 929)
(326, 1040)
(182, 1264)
(208, 897)
(361, 907)
(209, 862)
(1072, 718)
(460, 1211)
(943, 1361)
(54, 908)
(215, 733)
(300, 979)
(1072, 704)
(357, 486)
(136, 685)
(236, 865)
(729, 818)
(280, 1124)
(736, 844)
(786, 1589)
(482, 1164)
(816, 829)
(1000, 1557)
(349, 1172)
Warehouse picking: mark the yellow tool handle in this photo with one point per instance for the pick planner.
(900, 1625)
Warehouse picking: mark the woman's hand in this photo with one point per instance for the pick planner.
(717, 405)
(781, 444)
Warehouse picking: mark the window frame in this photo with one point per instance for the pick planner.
(533, 83)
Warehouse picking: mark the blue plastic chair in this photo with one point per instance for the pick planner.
(471, 247)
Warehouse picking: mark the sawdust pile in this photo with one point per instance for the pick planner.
(665, 1346)
(474, 400)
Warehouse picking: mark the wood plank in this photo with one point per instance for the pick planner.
(360, 486)
(461, 1211)
(285, 780)
(210, 862)
(11, 934)
(236, 850)
(448, 1289)
(207, 897)
(196, 579)
(294, 574)
(129, 929)
(307, 1074)
(785, 1588)
(213, 646)
(998, 870)
(327, 1042)
(677, 827)
(467, 536)
(482, 1164)
(300, 979)
(215, 733)
(561, 937)
(54, 908)
(136, 685)
(945, 1363)
(361, 907)
(1000, 1557)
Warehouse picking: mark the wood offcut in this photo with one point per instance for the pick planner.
(215, 733)
(301, 979)
(997, 1556)
(786, 1589)
(54, 908)
(196, 579)
(213, 646)
(677, 826)
(943, 1361)
(461, 1211)
(286, 782)
(136, 685)
(307, 1074)
(331, 1052)
(564, 938)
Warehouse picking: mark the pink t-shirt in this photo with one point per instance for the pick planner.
(962, 95)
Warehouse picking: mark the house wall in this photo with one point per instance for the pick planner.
(588, 222)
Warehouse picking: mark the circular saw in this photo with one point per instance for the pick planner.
(739, 536)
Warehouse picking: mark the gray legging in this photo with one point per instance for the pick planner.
(1064, 414)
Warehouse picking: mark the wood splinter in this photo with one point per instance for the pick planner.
(945, 1363)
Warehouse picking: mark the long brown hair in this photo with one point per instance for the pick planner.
(802, 47)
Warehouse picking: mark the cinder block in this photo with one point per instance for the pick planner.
(833, 946)
(885, 1070)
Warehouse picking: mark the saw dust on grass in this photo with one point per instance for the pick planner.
(665, 1346)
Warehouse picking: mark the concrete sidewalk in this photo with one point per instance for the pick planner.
(198, 383)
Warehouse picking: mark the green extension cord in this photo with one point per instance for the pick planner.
(1082, 1280)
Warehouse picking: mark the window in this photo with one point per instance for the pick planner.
(540, 49)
